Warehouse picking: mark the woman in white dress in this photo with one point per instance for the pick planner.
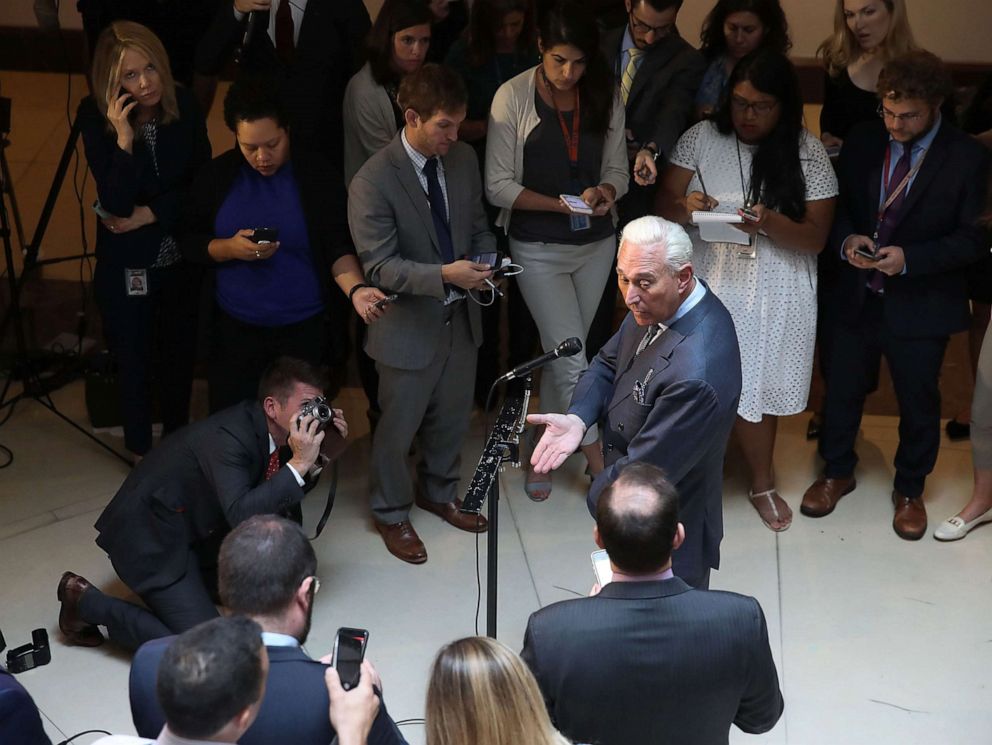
(756, 158)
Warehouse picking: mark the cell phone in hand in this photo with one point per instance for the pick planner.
(100, 211)
(492, 259)
(261, 236)
(866, 254)
(748, 214)
(576, 204)
(601, 567)
(349, 651)
(383, 302)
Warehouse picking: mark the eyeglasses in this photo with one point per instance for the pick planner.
(759, 108)
(315, 585)
(659, 31)
(891, 115)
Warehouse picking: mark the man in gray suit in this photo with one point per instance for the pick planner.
(648, 659)
(664, 389)
(415, 212)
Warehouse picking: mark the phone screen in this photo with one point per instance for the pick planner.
(490, 259)
(576, 204)
(349, 651)
(601, 567)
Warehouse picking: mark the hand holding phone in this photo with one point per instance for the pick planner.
(263, 236)
(383, 302)
(865, 254)
(349, 651)
(575, 205)
(601, 567)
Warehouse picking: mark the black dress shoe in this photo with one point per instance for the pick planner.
(957, 430)
(73, 627)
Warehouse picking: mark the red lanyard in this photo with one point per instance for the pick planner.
(571, 137)
(890, 198)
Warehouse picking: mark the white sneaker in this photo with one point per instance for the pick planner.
(954, 528)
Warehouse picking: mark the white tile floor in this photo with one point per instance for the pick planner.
(877, 640)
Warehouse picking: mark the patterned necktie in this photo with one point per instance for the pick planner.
(439, 212)
(285, 47)
(876, 280)
(627, 79)
(273, 468)
(649, 336)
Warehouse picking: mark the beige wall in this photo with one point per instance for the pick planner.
(957, 30)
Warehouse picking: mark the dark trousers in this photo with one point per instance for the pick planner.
(241, 352)
(856, 352)
(171, 610)
(153, 340)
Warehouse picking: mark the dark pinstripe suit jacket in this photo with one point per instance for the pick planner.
(654, 662)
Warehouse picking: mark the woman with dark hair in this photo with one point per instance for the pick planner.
(558, 129)
(755, 159)
(144, 139)
(450, 19)
(731, 31)
(397, 46)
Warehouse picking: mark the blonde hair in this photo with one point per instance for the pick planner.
(842, 48)
(108, 59)
(481, 692)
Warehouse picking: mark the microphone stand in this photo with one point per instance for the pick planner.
(501, 447)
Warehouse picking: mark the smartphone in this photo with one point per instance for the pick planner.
(867, 255)
(262, 236)
(491, 260)
(576, 204)
(100, 211)
(748, 214)
(601, 567)
(349, 651)
(380, 304)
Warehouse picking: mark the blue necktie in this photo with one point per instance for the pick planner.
(438, 211)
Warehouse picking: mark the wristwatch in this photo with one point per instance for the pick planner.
(651, 149)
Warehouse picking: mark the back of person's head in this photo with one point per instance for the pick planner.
(481, 692)
(660, 237)
(487, 18)
(915, 75)
(841, 48)
(776, 170)
(394, 16)
(212, 676)
(572, 22)
(658, 5)
(637, 517)
(261, 565)
(769, 13)
(282, 375)
(108, 60)
(431, 89)
(254, 97)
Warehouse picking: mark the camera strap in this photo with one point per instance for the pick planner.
(332, 491)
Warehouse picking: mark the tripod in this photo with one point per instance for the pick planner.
(23, 366)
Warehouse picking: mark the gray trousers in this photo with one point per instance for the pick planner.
(981, 408)
(434, 403)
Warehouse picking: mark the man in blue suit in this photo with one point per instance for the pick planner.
(664, 389)
(266, 571)
(20, 720)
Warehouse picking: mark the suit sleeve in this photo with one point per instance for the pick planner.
(219, 40)
(20, 720)
(676, 113)
(761, 704)
(167, 204)
(373, 228)
(529, 656)
(592, 393)
(114, 170)
(146, 713)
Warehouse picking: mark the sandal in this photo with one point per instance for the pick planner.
(771, 495)
(537, 491)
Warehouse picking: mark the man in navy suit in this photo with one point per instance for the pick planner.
(664, 388)
(648, 659)
(267, 572)
(20, 720)
(912, 187)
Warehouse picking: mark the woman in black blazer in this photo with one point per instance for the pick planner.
(144, 140)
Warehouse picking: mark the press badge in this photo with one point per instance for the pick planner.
(136, 282)
(578, 222)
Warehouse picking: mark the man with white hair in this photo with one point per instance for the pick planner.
(664, 389)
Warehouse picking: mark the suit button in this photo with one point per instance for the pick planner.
(620, 426)
(609, 448)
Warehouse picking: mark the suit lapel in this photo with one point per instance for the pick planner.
(656, 358)
(931, 164)
(653, 61)
(411, 185)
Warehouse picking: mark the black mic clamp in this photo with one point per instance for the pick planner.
(567, 348)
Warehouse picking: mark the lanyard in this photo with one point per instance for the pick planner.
(900, 187)
(571, 137)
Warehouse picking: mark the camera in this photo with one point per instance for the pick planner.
(30, 656)
(319, 409)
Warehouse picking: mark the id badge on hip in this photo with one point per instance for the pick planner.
(136, 282)
(578, 222)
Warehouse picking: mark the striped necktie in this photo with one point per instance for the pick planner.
(627, 80)
(649, 336)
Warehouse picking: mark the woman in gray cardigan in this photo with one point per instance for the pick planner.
(559, 129)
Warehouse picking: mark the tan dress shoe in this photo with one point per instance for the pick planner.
(402, 541)
(821, 498)
(451, 513)
(910, 519)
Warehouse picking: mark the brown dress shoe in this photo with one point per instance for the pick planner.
(73, 627)
(821, 498)
(910, 520)
(402, 541)
(451, 513)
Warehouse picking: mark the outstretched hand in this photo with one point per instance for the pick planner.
(562, 437)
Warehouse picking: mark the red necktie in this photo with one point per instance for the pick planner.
(876, 280)
(273, 468)
(284, 32)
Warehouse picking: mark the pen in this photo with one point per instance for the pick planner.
(702, 184)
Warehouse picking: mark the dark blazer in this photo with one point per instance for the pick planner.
(125, 181)
(661, 100)
(689, 408)
(329, 50)
(654, 662)
(294, 709)
(20, 721)
(199, 482)
(322, 196)
(938, 230)
(394, 234)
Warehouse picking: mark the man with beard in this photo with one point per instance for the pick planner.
(266, 572)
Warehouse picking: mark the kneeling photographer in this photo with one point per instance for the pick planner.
(163, 528)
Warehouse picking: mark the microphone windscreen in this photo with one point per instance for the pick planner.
(570, 346)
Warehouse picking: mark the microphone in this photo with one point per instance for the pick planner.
(249, 29)
(567, 348)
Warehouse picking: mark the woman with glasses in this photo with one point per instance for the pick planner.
(732, 30)
(755, 159)
(558, 129)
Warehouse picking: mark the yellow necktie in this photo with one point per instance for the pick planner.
(627, 81)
